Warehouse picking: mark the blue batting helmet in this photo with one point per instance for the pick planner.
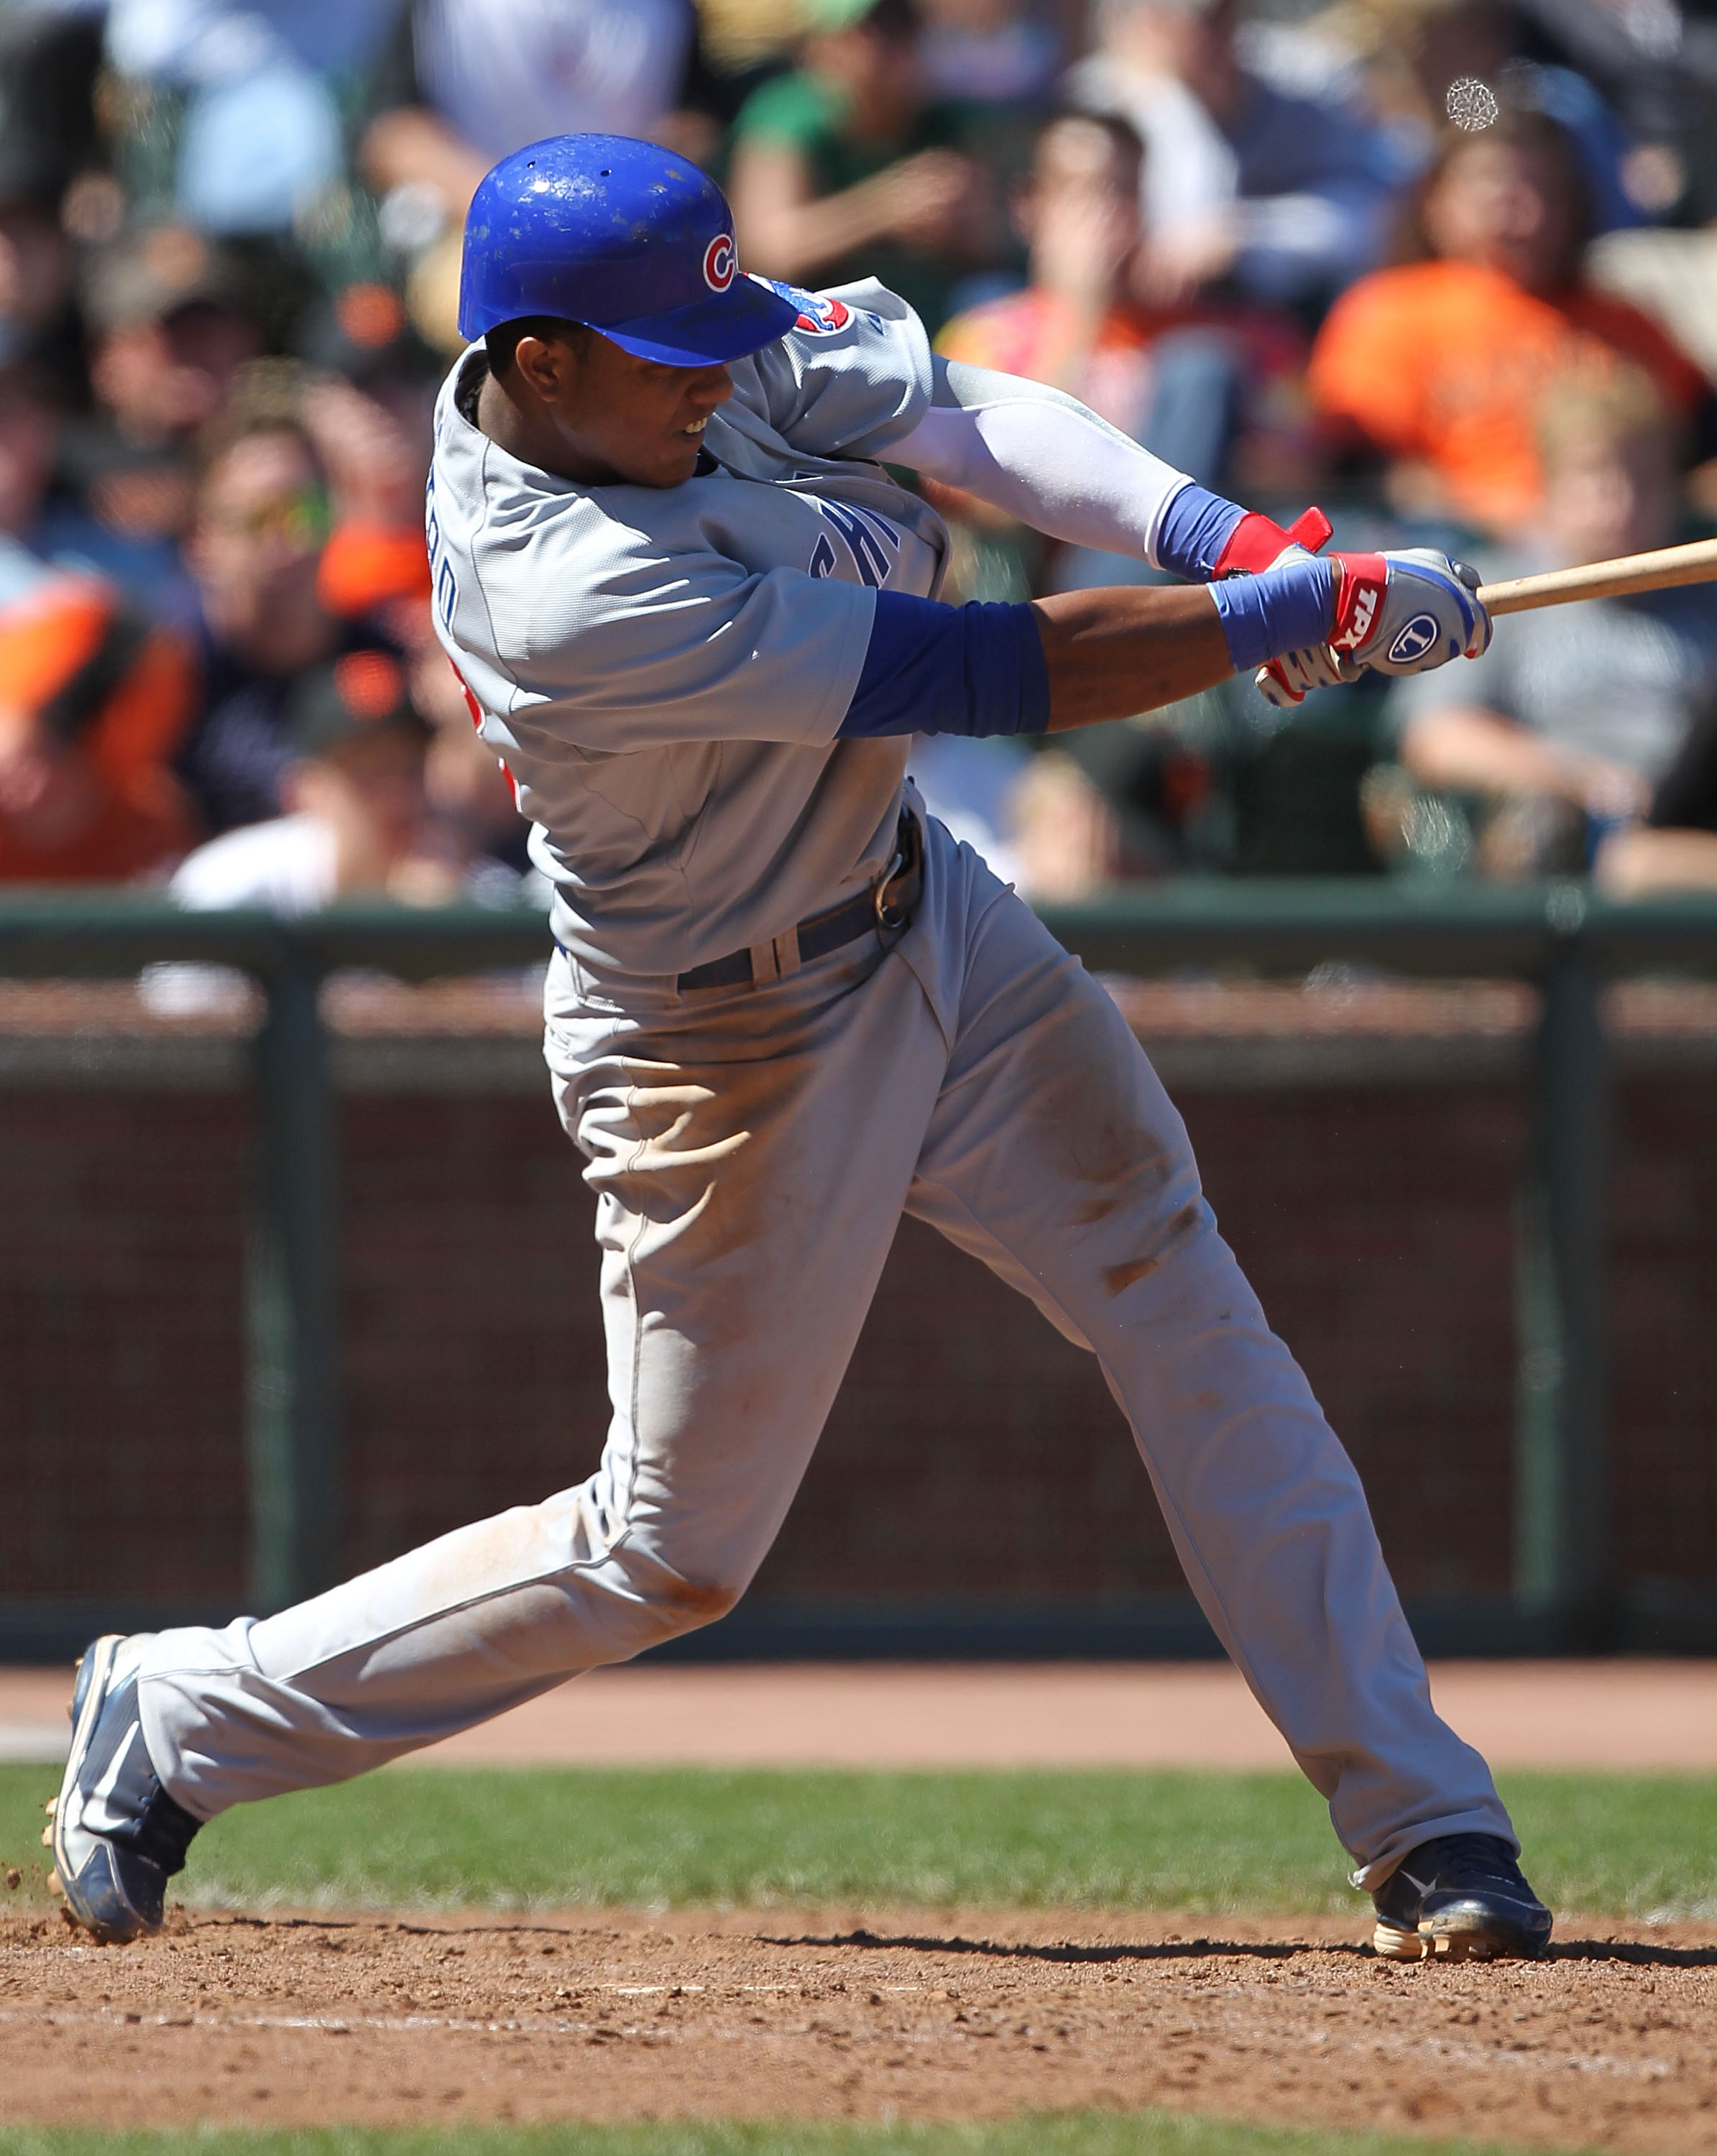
(622, 236)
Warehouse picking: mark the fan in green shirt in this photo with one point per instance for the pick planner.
(843, 169)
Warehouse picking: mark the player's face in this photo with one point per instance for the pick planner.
(624, 418)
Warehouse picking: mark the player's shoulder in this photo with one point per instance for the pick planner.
(839, 320)
(854, 367)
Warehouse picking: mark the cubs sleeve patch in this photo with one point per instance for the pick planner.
(818, 316)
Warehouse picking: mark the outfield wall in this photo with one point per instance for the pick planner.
(1361, 1146)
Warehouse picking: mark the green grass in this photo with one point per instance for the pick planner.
(1080, 2133)
(517, 1837)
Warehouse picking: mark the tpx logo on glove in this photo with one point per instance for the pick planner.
(1358, 597)
(1414, 639)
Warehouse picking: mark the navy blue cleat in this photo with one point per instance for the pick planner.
(117, 1836)
(1460, 1898)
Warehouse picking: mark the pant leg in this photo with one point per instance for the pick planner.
(1055, 1156)
(751, 1151)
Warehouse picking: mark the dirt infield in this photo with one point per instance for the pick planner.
(1648, 1715)
(807, 2014)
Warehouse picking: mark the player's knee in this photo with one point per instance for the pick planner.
(673, 1601)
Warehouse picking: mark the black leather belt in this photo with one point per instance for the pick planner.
(888, 905)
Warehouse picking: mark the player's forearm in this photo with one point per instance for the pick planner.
(1080, 657)
(1110, 653)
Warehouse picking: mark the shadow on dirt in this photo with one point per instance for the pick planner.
(1636, 1953)
(1135, 1950)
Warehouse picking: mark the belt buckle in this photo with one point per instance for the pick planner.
(890, 917)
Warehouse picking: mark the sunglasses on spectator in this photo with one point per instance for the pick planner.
(302, 517)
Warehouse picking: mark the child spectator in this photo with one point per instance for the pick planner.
(93, 704)
(353, 822)
(1286, 196)
(1441, 364)
(843, 169)
(352, 790)
(1567, 726)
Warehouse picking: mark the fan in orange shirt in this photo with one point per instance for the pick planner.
(1441, 364)
(92, 705)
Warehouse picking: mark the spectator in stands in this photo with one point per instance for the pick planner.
(469, 81)
(255, 548)
(353, 822)
(1287, 197)
(995, 52)
(170, 325)
(845, 169)
(1414, 53)
(93, 704)
(1441, 364)
(299, 541)
(353, 793)
(1183, 380)
(1565, 731)
(246, 100)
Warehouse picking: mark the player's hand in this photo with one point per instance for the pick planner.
(1399, 612)
(1258, 543)
(1289, 680)
(1406, 611)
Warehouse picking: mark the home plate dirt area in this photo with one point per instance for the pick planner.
(282, 2020)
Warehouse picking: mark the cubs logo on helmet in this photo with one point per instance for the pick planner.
(720, 262)
(818, 314)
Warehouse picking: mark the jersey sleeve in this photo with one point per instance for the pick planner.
(656, 645)
(851, 378)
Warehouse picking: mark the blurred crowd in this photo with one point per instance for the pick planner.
(1448, 267)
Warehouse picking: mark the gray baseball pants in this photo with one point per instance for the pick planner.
(752, 1150)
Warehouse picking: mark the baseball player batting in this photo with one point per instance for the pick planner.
(697, 620)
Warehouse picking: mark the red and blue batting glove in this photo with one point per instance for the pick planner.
(1258, 542)
(1402, 612)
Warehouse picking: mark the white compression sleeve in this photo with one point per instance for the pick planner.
(1042, 457)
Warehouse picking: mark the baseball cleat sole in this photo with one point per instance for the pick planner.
(1441, 1940)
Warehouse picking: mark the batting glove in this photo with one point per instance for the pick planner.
(1407, 611)
(1258, 543)
(1402, 612)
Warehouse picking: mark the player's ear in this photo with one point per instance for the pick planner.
(547, 364)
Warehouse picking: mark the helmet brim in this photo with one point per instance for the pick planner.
(728, 325)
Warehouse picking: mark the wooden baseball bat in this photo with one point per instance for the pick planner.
(1656, 572)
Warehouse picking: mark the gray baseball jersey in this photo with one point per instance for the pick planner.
(663, 670)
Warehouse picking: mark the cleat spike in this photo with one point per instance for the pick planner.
(46, 1837)
(51, 1807)
(53, 1885)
